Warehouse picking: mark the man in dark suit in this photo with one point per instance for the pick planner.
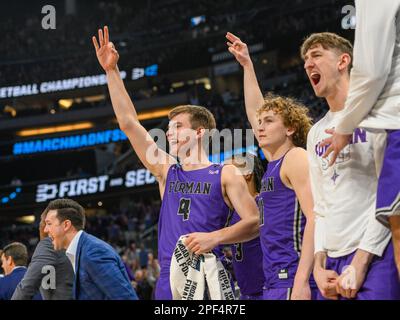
(50, 272)
(99, 271)
(14, 259)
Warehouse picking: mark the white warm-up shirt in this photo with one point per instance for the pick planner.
(374, 93)
(345, 193)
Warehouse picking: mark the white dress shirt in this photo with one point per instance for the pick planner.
(374, 94)
(345, 194)
(73, 246)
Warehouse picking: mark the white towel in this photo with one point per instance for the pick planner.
(190, 273)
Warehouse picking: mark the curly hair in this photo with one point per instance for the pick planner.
(294, 115)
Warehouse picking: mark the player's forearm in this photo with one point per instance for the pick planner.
(320, 260)
(395, 228)
(121, 102)
(253, 96)
(242, 231)
(363, 94)
(362, 259)
(306, 262)
(376, 30)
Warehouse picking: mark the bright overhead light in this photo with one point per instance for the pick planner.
(50, 130)
(154, 114)
(177, 84)
(65, 103)
(148, 115)
(11, 110)
(26, 219)
(95, 98)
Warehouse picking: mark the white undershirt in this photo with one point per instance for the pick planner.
(345, 194)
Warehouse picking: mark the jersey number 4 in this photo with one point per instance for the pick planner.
(184, 208)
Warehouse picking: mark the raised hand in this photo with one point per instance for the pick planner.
(238, 49)
(106, 53)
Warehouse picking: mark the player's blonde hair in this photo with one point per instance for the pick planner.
(328, 40)
(294, 115)
(199, 116)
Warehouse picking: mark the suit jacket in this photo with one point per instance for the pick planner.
(99, 272)
(10, 282)
(45, 255)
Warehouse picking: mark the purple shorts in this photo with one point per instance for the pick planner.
(163, 288)
(284, 293)
(381, 282)
(388, 195)
(258, 296)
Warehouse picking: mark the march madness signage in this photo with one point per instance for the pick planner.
(67, 142)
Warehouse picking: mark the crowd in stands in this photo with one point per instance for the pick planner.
(147, 32)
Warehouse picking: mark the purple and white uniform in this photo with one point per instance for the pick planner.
(373, 101)
(192, 202)
(247, 264)
(345, 199)
(281, 233)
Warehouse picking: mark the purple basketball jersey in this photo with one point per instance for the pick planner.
(281, 230)
(192, 202)
(247, 263)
